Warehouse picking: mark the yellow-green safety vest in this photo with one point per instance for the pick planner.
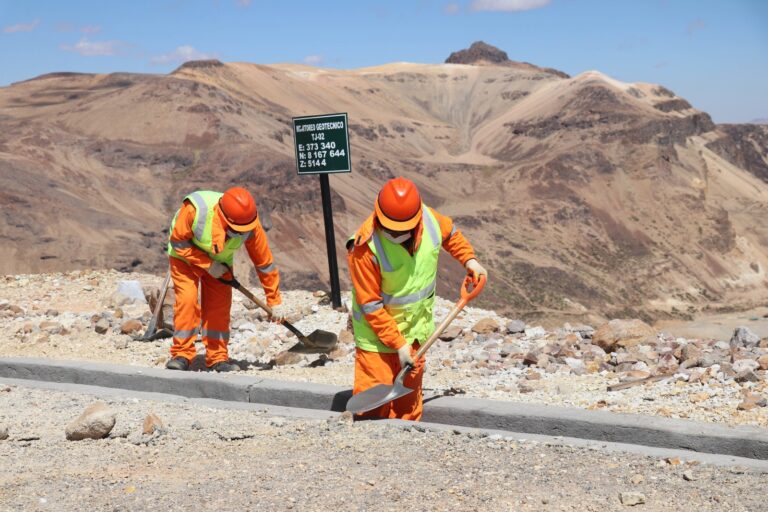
(204, 202)
(407, 287)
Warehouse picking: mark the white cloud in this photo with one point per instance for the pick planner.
(451, 8)
(314, 60)
(90, 29)
(21, 27)
(244, 3)
(508, 5)
(94, 48)
(181, 54)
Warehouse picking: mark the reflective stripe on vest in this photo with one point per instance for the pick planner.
(205, 202)
(407, 287)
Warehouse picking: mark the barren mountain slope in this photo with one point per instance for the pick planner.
(581, 194)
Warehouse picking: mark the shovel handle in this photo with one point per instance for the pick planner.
(466, 296)
(469, 294)
(234, 283)
(152, 327)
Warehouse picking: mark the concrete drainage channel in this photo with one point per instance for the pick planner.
(747, 442)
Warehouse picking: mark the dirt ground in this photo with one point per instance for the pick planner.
(217, 459)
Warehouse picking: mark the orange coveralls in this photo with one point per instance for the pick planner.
(215, 296)
(372, 368)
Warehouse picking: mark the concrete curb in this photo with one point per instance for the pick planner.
(760, 466)
(749, 442)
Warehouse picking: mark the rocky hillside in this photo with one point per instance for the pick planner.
(581, 194)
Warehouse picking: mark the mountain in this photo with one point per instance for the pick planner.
(583, 195)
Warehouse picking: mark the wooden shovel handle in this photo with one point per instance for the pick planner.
(466, 296)
(234, 283)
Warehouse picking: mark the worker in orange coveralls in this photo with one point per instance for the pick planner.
(205, 234)
(393, 265)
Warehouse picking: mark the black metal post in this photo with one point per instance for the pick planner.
(330, 240)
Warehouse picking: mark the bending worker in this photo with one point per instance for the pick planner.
(393, 265)
(205, 233)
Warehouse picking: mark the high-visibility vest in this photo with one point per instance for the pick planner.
(204, 202)
(407, 287)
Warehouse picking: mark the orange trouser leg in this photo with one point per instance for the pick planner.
(186, 310)
(216, 298)
(373, 368)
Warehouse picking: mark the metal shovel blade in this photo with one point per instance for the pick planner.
(379, 395)
(321, 340)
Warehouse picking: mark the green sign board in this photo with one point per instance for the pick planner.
(322, 144)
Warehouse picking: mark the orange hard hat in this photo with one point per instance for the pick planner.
(398, 206)
(239, 209)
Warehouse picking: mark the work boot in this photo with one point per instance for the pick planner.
(178, 363)
(224, 366)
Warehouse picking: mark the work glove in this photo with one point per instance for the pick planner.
(279, 312)
(475, 269)
(404, 354)
(217, 269)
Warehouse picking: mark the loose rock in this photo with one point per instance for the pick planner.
(744, 337)
(515, 327)
(630, 499)
(131, 326)
(101, 326)
(486, 326)
(450, 333)
(152, 423)
(96, 422)
(622, 333)
(346, 337)
(285, 358)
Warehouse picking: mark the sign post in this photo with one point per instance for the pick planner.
(322, 147)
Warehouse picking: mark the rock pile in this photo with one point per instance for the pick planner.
(481, 354)
(630, 349)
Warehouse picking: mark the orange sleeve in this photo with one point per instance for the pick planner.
(453, 241)
(366, 278)
(181, 238)
(261, 256)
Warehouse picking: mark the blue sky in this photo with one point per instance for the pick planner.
(713, 53)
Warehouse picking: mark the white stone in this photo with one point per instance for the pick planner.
(741, 365)
(132, 292)
(535, 332)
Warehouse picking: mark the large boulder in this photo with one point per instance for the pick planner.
(623, 334)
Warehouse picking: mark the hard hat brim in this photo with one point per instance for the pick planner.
(241, 228)
(395, 225)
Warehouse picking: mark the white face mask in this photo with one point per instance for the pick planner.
(397, 239)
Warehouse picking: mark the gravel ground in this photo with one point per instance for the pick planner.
(218, 459)
(71, 300)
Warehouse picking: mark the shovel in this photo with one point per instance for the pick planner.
(317, 341)
(383, 394)
(152, 333)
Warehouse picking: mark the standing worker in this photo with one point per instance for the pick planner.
(205, 233)
(393, 265)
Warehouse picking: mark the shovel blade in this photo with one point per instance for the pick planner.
(376, 397)
(320, 339)
(302, 347)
